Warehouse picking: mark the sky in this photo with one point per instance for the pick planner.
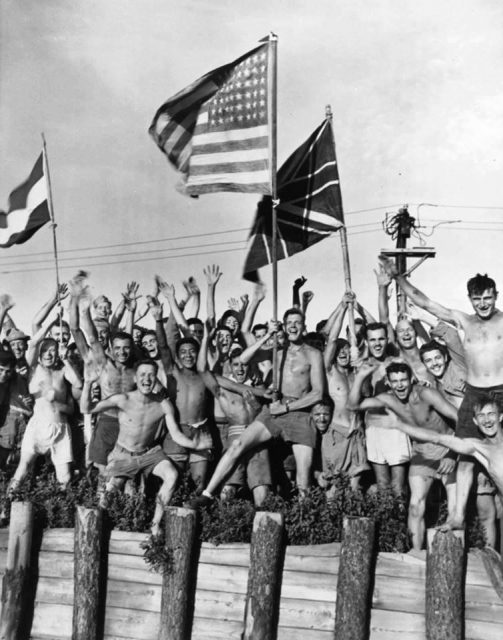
(417, 97)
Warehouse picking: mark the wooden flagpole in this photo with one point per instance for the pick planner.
(272, 105)
(344, 241)
(53, 223)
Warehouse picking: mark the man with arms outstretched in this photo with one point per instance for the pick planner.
(139, 414)
(483, 346)
(302, 383)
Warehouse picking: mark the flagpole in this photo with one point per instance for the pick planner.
(53, 223)
(273, 74)
(344, 241)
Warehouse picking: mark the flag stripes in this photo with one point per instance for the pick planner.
(28, 208)
(310, 203)
(216, 131)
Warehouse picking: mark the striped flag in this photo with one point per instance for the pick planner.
(216, 131)
(310, 203)
(28, 208)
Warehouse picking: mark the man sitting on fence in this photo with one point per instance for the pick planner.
(140, 413)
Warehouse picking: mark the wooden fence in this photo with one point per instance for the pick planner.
(307, 603)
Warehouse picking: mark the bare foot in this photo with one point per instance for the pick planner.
(451, 524)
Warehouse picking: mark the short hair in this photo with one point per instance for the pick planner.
(398, 367)
(139, 328)
(235, 353)
(433, 345)
(57, 323)
(222, 328)
(188, 340)
(122, 335)
(340, 343)
(485, 399)
(195, 321)
(229, 313)
(480, 283)
(101, 322)
(320, 325)
(149, 332)
(46, 343)
(325, 401)
(151, 363)
(375, 326)
(258, 326)
(101, 298)
(294, 311)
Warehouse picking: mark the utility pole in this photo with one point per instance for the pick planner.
(400, 227)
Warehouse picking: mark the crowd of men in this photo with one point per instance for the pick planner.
(390, 407)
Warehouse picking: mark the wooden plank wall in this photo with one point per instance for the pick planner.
(307, 608)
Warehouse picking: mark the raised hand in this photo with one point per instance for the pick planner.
(62, 292)
(167, 290)
(154, 307)
(307, 296)
(191, 286)
(259, 292)
(300, 282)
(348, 298)
(383, 278)
(6, 302)
(78, 285)
(388, 266)
(233, 303)
(244, 300)
(213, 274)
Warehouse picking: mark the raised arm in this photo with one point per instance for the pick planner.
(59, 295)
(89, 329)
(419, 298)
(194, 300)
(250, 351)
(213, 275)
(251, 310)
(297, 285)
(76, 290)
(336, 321)
(6, 303)
(355, 401)
(164, 351)
(168, 291)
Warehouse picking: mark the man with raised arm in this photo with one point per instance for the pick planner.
(302, 384)
(413, 403)
(483, 346)
(139, 415)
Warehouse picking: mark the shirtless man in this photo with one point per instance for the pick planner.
(388, 451)
(190, 395)
(48, 429)
(419, 405)
(235, 399)
(302, 386)
(488, 450)
(483, 346)
(115, 372)
(343, 438)
(139, 414)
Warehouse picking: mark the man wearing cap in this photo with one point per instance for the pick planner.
(18, 343)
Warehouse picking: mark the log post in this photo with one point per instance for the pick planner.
(178, 580)
(87, 603)
(355, 579)
(15, 608)
(445, 570)
(264, 578)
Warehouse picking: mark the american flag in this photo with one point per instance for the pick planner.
(28, 208)
(216, 131)
(310, 203)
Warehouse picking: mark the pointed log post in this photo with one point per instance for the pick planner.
(354, 583)
(179, 579)
(264, 578)
(445, 570)
(87, 603)
(14, 604)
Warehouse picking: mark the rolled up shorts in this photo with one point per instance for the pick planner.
(103, 439)
(180, 454)
(294, 426)
(123, 463)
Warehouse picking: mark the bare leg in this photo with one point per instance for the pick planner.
(398, 477)
(165, 470)
(199, 473)
(27, 457)
(450, 490)
(486, 509)
(419, 487)
(464, 479)
(303, 462)
(114, 484)
(63, 474)
(382, 474)
(260, 493)
(253, 435)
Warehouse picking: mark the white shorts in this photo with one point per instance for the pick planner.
(387, 446)
(42, 436)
